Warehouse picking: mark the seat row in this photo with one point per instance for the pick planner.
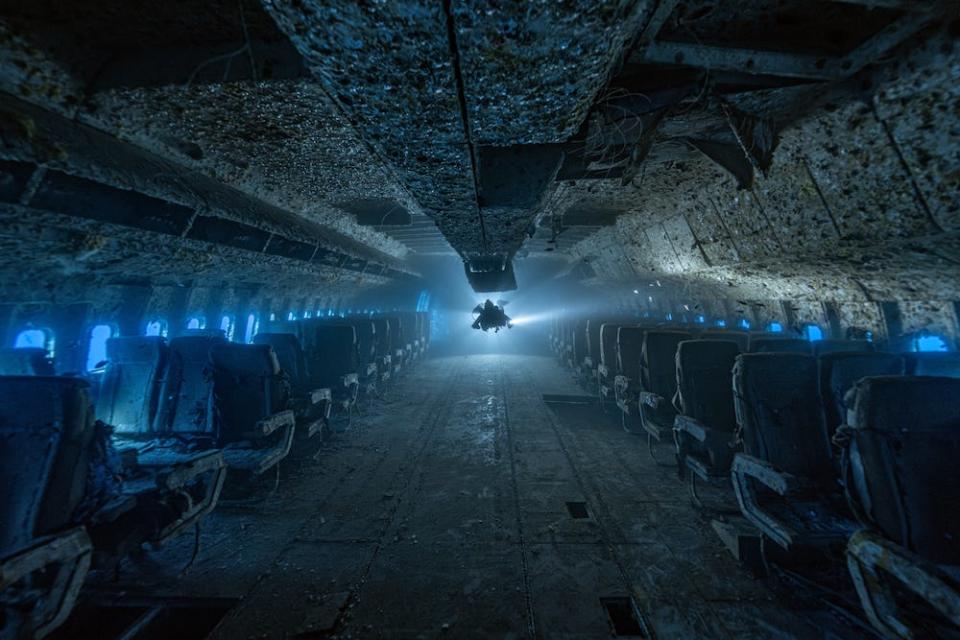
(831, 446)
(93, 469)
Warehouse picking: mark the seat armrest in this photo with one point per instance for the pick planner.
(781, 482)
(700, 432)
(651, 399)
(877, 564)
(316, 396)
(271, 423)
(182, 472)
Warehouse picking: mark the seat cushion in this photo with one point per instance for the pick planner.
(906, 439)
(778, 408)
(840, 371)
(704, 382)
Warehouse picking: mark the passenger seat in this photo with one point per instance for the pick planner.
(705, 426)
(942, 364)
(331, 353)
(784, 479)
(627, 382)
(250, 399)
(311, 406)
(658, 381)
(44, 553)
(905, 439)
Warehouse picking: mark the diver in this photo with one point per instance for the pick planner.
(491, 316)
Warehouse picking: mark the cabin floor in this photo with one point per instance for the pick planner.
(443, 512)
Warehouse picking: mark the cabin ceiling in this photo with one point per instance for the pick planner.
(597, 131)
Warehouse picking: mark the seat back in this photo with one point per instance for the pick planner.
(704, 388)
(366, 339)
(130, 388)
(941, 364)
(32, 361)
(579, 341)
(424, 317)
(840, 371)
(290, 356)
(186, 394)
(46, 431)
(396, 335)
(383, 345)
(741, 338)
(629, 345)
(823, 347)
(658, 361)
(780, 345)
(248, 386)
(904, 453)
(331, 354)
(778, 410)
(608, 344)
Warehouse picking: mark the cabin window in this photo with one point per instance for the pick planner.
(744, 323)
(226, 325)
(253, 324)
(812, 332)
(423, 301)
(35, 339)
(97, 345)
(721, 323)
(156, 328)
(774, 327)
(307, 314)
(930, 343)
(291, 316)
(700, 319)
(197, 322)
(669, 316)
(273, 317)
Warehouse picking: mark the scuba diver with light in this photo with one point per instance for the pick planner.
(491, 316)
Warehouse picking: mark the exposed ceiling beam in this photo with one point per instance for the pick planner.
(657, 20)
(772, 63)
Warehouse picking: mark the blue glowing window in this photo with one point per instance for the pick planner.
(251, 329)
(291, 316)
(273, 317)
(744, 324)
(97, 347)
(930, 343)
(307, 314)
(775, 327)
(226, 325)
(812, 332)
(156, 328)
(669, 316)
(423, 301)
(699, 319)
(197, 322)
(721, 323)
(31, 339)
